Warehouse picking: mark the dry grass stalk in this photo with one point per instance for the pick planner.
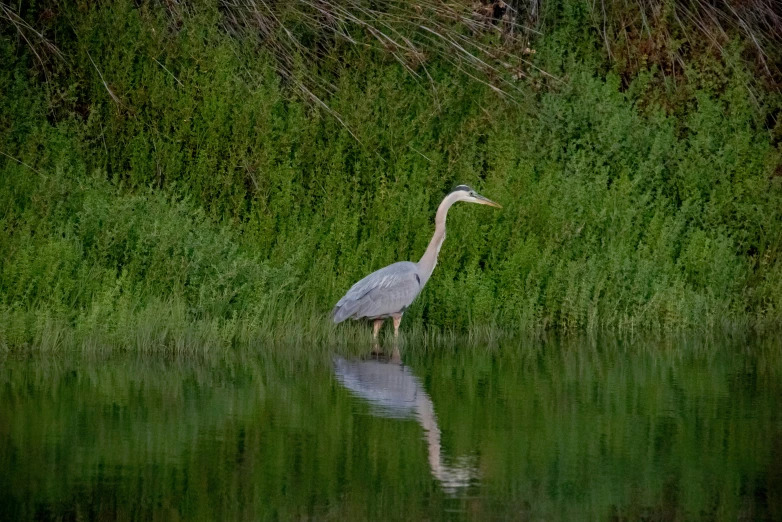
(38, 44)
(479, 40)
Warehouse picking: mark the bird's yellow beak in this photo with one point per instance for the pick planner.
(486, 201)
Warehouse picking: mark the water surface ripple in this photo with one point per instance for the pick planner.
(576, 430)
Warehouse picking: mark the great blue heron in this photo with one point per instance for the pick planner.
(389, 291)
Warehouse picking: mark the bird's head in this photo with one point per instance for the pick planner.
(468, 194)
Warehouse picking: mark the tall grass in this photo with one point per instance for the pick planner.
(165, 183)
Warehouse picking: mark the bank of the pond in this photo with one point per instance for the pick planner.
(165, 328)
(159, 178)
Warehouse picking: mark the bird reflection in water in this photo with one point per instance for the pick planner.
(393, 391)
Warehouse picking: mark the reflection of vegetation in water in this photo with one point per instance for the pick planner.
(568, 430)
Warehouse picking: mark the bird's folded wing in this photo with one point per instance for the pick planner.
(386, 291)
(390, 298)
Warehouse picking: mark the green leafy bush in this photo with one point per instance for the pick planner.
(169, 177)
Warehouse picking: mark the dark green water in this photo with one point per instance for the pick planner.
(525, 431)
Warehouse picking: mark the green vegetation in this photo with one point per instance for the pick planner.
(161, 182)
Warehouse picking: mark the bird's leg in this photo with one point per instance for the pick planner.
(396, 357)
(397, 320)
(378, 325)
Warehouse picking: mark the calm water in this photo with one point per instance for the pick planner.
(524, 431)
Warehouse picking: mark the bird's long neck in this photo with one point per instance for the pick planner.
(429, 259)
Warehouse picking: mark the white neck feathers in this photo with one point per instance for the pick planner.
(429, 259)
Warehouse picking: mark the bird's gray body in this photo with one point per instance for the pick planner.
(382, 293)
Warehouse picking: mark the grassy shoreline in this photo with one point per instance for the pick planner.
(166, 330)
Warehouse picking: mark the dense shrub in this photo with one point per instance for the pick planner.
(165, 164)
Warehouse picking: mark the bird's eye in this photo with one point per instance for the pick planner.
(473, 194)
